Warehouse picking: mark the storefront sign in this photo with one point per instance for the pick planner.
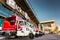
(19, 9)
(26, 16)
(11, 3)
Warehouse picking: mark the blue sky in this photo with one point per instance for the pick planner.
(46, 10)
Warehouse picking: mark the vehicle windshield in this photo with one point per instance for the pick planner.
(33, 27)
(11, 20)
(21, 23)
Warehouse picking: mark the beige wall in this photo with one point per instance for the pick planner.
(52, 28)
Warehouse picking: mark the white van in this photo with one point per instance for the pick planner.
(23, 29)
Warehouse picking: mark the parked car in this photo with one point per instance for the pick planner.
(38, 33)
(34, 30)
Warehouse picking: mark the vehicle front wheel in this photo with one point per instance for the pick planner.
(36, 35)
(31, 36)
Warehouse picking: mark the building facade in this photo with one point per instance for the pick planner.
(49, 26)
(20, 8)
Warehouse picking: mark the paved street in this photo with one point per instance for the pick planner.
(45, 37)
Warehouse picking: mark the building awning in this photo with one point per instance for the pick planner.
(45, 22)
(24, 5)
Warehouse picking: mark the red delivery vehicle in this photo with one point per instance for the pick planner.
(9, 26)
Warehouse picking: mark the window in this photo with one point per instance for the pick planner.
(49, 25)
(27, 29)
(11, 20)
(21, 23)
(46, 25)
(25, 23)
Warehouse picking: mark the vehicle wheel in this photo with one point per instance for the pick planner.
(31, 36)
(16, 36)
(7, 35)
(3, 34)
(13, 35)
(40, 34)
(36, 35)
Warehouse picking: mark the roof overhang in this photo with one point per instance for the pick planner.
(24, 5)
(45, 22)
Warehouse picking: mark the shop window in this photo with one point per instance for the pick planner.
(46, 25)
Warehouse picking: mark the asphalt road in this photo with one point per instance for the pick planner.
(45, 37)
